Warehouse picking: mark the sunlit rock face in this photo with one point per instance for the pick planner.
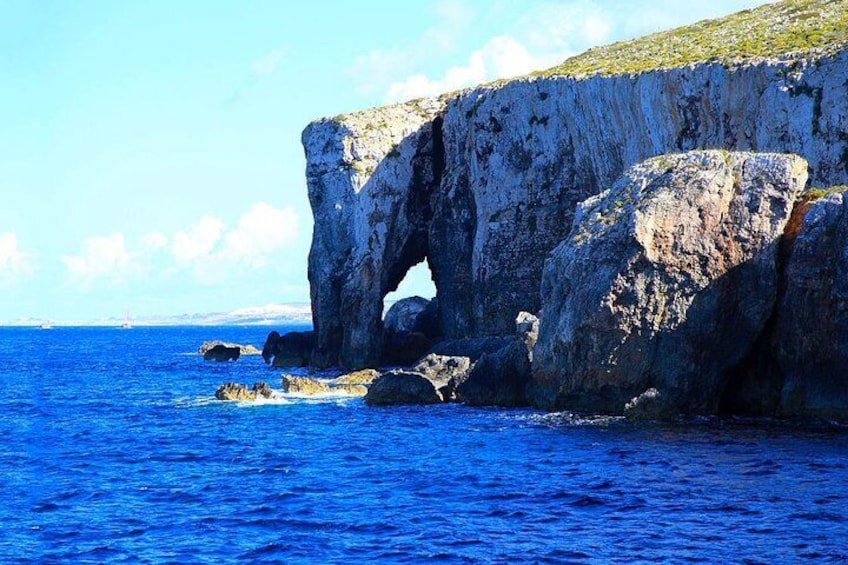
(665, 282)
(371, 177)
(484, 183)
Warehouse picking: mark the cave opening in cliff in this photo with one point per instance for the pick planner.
(418, 281)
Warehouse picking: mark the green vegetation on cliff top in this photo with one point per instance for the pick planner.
(791, 26)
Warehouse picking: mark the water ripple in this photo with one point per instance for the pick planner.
(163, 473)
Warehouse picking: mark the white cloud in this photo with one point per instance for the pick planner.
(104, 257)
(529, 36)
(198, 241)
(500, 57)
(207, 249)
(216, 254)
(14, 263)
(376, 69)
(260, 232)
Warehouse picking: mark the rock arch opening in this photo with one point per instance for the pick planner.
(411, 317)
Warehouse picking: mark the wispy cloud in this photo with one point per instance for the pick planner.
(208, 250)
(373, 71)
(500, 57)
(268, 64)
(260, 69)
(198, 241)
(15, 264)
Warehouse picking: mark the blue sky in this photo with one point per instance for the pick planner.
(150, 151)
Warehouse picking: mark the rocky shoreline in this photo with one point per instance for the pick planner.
(680, 233)
(677, 292)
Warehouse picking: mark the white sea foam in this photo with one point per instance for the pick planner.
(559, 419)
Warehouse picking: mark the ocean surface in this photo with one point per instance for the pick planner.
(114, 450)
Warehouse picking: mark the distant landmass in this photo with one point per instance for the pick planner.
(267, 315)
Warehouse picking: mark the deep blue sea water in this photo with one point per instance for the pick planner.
(113, 450)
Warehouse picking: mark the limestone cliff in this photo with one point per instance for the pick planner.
(484, 183)
(665, 282)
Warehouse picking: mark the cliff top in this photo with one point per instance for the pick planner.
(772, 30)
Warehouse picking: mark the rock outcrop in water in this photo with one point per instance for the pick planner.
(665, 282)
(221, 352)
(484, 184)
(243, 349)
(292, 349)
(240, 392)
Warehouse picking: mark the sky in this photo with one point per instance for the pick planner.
(150, 153)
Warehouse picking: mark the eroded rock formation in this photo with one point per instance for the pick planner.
(484, 184)
(665, 282)
(811, 332)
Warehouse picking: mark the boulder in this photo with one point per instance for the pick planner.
(243, 349)
(293, 349)
(402, 387)
(810, 347)
(410, 328)
(303, 385)
(406, 316)
(240, 392)
(445, 372)
(665, 281)
(351, 384)
(221, 352)
(500, 378)
(362, 377)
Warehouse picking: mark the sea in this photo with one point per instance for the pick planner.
(113, 449)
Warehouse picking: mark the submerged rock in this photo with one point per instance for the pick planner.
(665, 281)
(650, 405)
(221, 352)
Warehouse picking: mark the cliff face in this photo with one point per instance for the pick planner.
(485, 184)
(370, 177)
(810, 345)
(665, 282)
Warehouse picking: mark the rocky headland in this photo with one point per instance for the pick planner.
(666, 206)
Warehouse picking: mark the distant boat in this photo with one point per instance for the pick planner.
(46, 326)
(125, 325)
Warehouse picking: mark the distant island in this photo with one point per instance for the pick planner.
(268, 315)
